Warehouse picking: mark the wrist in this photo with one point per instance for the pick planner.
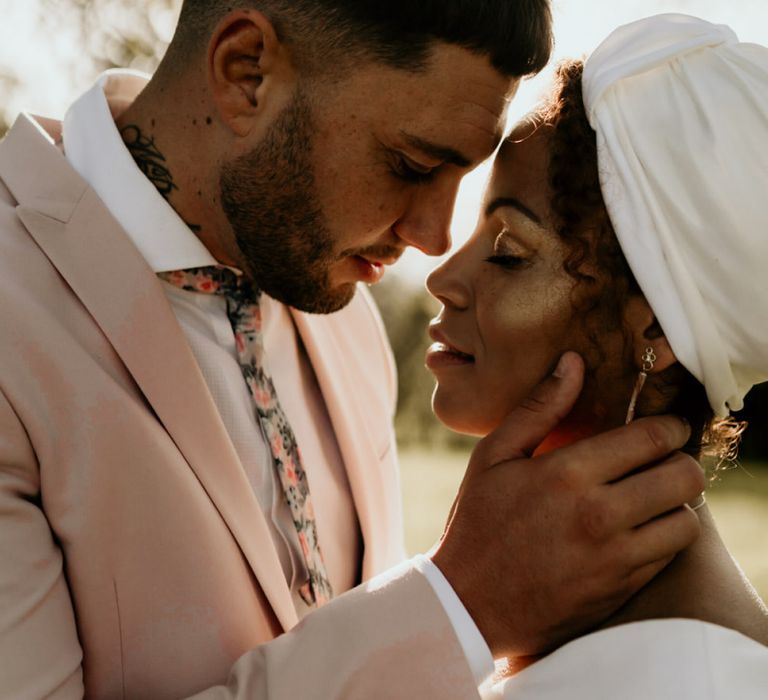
(475, 597)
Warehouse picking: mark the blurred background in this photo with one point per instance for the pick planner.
(52, 50)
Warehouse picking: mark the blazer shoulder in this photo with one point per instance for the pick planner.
(6, 198)
(7, 201)
(16, 244)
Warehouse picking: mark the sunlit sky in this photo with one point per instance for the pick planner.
(50, 75)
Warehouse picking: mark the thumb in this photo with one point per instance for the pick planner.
(537, 415)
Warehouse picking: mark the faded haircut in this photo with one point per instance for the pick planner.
(331, 35)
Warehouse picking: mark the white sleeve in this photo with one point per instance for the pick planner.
(670, 659)
(475, 648)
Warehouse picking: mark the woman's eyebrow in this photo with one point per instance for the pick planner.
(515, 204)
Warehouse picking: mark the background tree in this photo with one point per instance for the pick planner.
(115, 33)
(8, 83)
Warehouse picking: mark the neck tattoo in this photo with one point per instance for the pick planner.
(151, 162)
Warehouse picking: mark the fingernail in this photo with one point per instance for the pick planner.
(560, 369)
(686, 423)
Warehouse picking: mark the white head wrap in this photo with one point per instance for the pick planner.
(680, 108)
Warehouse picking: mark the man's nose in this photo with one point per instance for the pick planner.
(426, 223)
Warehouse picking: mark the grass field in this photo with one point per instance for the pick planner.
(739, 502)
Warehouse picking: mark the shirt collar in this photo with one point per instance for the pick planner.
(96, 150)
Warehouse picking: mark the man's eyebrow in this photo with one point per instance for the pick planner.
(446, 154)
(515, 204)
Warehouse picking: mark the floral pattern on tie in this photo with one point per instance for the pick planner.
(245, 316)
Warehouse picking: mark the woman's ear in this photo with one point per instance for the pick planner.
(248, 68)
(645, 332)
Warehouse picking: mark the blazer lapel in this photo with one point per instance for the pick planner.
(376, 504)
(113, 281)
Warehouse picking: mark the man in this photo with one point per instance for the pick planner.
(162, 534)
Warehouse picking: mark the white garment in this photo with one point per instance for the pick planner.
(680, 109)
(95, 149)
(674, 659)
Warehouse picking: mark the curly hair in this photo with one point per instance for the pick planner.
(582, 221)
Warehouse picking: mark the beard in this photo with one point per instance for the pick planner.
(270, 199)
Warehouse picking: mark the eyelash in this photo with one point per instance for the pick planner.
(408, 173)
(507, 261)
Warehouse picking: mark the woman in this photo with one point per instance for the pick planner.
(624, 221)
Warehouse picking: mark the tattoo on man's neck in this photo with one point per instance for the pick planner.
(149, 159)
(151, 162)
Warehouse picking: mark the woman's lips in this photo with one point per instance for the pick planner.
(441, 355)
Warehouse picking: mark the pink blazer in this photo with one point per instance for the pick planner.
(134, 559)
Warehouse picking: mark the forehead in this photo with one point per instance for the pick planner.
(520, 169)
(459, 101)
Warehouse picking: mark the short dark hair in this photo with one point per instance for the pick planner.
(516, 35)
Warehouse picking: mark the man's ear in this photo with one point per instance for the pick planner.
(645, 332)
(248, 69)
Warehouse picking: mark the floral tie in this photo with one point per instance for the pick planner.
(245, 316)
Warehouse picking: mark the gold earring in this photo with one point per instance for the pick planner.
(648, 360)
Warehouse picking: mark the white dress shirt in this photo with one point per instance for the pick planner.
(672, 659)
(96, 150)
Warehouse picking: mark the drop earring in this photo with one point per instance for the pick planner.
(648, 359)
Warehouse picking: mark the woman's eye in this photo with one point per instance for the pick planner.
(410, 171)
(508, 261)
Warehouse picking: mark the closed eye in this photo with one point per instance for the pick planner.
(508, 261)
(410, 171)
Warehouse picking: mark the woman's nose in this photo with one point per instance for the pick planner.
(449, 282)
